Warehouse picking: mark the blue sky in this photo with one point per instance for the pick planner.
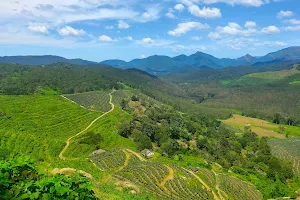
(126, 29)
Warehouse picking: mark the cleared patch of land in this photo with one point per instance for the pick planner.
(263, 77)
(260, 127)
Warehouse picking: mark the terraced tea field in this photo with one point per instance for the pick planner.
(39, 125)
(97, 100)
(289, 150)
(237, 189)
(170, 181)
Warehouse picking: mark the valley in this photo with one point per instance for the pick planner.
(212, 133)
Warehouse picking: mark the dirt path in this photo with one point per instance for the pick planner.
(203, 183)
(136, 154)
(217, 185)
(89, 126)
(167, 178)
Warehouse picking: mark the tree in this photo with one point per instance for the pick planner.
(21, 180)
(170, 147)
(124, 104)
(141, 140)
(125, 130)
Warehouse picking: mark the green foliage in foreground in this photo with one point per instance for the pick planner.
(19, 179)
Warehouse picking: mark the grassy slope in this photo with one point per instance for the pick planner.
(262, 127)
(262, 77)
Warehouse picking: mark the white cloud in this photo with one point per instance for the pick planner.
(179, 7)
(205, 12)
(129, 38)
(283, 14)
(123, 25)
(214, 36)
(196, 38)
(69, 31)
(105, 38)
(293, 21)
(270, 30)
(183, 28)
(235, 29)
(149, 42)
(151, 14)
(255, 3)
(38, 29)
(190, 48)
(250, 24)
(170, 15)
(142, 56)
(292, 28)
(280, 44)
(109, 27)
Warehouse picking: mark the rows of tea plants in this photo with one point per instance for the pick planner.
(39, 125)
(155, 177)
(287, 149)
(237, 189)
(109, 160)
(118, 96)
(207, 176)
(96, 100)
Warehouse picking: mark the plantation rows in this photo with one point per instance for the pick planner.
(289, 150)
(39, 125)
(118, 96)
(208, 177)
(97, 100)
(237, 189)
(157, 178)
(110, 159)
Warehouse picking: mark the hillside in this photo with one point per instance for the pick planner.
(43, 60)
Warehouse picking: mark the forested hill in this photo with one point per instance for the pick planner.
(67, 79)
(42, 60)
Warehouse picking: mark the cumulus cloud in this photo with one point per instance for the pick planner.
(292, 28)
(280, 44)
(270, 30)
(123, 25)
(69, 31)
(250, 24)
(129, 38)
(255, 3)
(109, 27)
(204, 12)
(179, 7)
(38, 29)
(284, 14)
(105, 38)
(214, 36)
(235, 29)
(196, 38)
(149, 42)
(170, 15)
(183, 28)
(293, 21)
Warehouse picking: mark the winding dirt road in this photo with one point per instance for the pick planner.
(89, 126)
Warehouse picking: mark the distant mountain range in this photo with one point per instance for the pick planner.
(163, 64)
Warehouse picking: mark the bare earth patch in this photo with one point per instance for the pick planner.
(258, 126)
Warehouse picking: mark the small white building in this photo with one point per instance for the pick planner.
(147, 153)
